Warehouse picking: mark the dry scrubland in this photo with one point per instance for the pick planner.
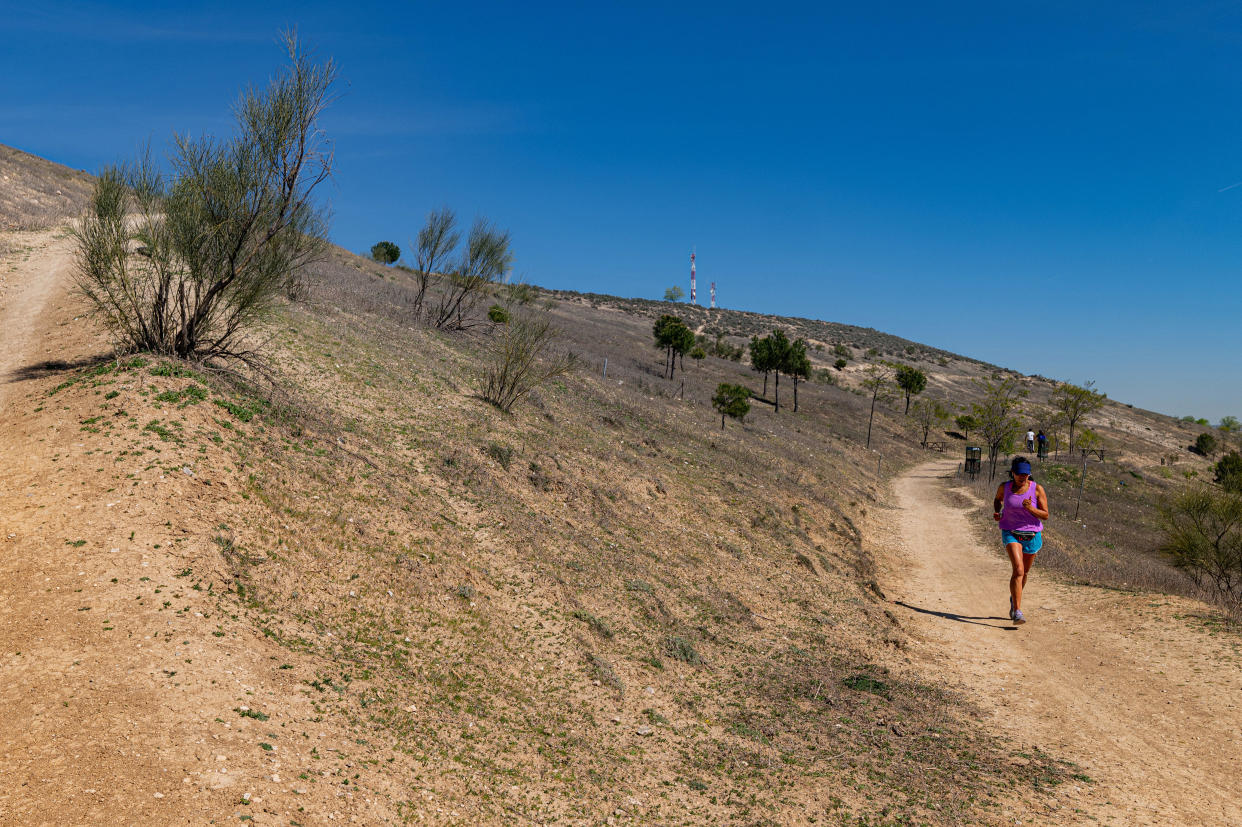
(36, 194)
(599, 608)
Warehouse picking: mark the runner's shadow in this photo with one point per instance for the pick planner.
(960, 618)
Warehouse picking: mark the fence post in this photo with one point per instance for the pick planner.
(605, 367)
(1082, 480)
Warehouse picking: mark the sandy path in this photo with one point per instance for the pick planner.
(120, 683)
(24, 301)
(1143, 699)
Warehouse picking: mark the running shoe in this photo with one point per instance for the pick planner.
(1017, 616)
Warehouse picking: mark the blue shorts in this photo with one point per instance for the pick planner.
(1031, 546)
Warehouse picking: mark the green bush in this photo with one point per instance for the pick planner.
(1203, 538)
(498, 314)
(1205, 445)
(840, 364)
(385, 252)
(732, 401)
(1229, 472)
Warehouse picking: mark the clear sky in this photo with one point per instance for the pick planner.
(1045, 186)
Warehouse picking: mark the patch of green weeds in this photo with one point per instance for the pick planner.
(866, 683)
(678, 648)
(503, 454)
(243, 411)
(598, 624)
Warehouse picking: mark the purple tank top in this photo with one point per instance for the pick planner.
(1016, 518)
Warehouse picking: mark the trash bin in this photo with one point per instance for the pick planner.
(974, 460)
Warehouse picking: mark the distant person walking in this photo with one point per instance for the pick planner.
(1020, 506)
(1042, 439)
(1030, 440)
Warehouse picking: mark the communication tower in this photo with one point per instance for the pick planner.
(692, 284)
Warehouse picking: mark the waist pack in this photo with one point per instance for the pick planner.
(1024, 536)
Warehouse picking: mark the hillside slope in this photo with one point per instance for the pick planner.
(35, 193)
(363, 593)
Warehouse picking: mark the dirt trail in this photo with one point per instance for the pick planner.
(22, 304)
(1133, 688)
(120, 680)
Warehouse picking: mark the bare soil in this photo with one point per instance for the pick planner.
(1141, 690)
(122, 682)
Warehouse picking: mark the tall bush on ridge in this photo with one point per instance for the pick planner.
(436, 242)
(385, 252)
(187, 266)
(484, 258)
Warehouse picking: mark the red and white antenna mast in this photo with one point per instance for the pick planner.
(692, 291)
(713, 295)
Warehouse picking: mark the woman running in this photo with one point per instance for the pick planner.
(1020, 506)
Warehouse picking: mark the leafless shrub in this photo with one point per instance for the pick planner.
(520, 361)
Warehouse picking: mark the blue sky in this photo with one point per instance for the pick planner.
(1045, 187)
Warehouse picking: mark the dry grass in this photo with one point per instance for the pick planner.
(599, 603)
(36, 194)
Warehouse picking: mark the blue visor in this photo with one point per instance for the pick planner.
(1022, 468)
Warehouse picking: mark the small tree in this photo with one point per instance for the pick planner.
(995, 416)
(797, 365)
(674, 338)
(1229, 424)
(878, 380)
(840, 364)
(761, 358)
(779, 351)
(966, 422)
(929, 414)
(485, 257)
(436, 242)
(1203, 538)
(188, 266)
(385, 252)
(1229, 472)
(1074, 403)
(497, 314)
(674, 294)
(731, 401)
(697, 353)
(1205, 445)
(912, 382)
(519, 360)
